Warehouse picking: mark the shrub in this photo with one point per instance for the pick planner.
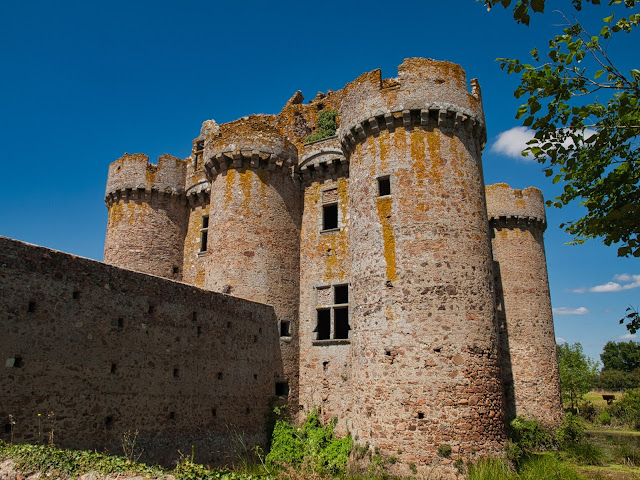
(626, 411)
(313, 446)
(571, 431)
(326, 126)
(526, 437)
(605, 417)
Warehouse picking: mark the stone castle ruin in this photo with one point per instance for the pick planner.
(370, 274)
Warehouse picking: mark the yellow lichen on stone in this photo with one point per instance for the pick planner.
(433, 142)
(388, 239)
(229, 181)
(418, 155)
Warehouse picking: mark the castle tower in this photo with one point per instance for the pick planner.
(254, 227)
(527, 339)
(424, 339)
(146, 225)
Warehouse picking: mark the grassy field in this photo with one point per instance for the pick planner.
(596, 398)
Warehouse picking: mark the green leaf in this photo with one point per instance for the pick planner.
(598, 73)
(635, 73)
(537, 5)
(608, 19)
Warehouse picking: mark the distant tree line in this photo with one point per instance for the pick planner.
(620, 366)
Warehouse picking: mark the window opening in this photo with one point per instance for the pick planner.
(332, 312)
(284, 328)
(324, 325)
(32, 307)
(341, 294)
(341, 323)
(282, 389)
(384, 186)
(204, 231)
(330, 216)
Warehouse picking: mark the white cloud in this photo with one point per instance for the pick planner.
(624, 281)
(627, 336)
(570, 311)
(560, 340)
(511, 143)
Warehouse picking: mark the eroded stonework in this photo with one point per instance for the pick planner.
(409, 301)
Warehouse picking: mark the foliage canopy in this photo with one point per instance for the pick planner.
(577, 372)
(585, 111)
(622, 356)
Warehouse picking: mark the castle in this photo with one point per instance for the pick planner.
(370, 274)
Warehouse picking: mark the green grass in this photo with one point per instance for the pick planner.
(56, 463)
(596, 398)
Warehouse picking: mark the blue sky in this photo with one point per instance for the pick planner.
(82, 82)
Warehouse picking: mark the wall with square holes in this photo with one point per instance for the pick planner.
(91, 352)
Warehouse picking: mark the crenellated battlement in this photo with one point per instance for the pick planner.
(323, 159)
(511, 206)
(133, 177)
(426, 93)
(250, 142)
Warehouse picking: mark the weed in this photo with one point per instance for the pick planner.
(444, 451)
(490, 468)
(547, 467)
(12, 426)
(52, 422)
(129, 446)
(627, 455)
(413, 468)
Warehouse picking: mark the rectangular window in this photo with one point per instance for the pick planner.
(282, 389)
(332, 313)
(330, 216)
(204, 231)
(341, 322)
(384, 186)
(324, 324)
(284, 329)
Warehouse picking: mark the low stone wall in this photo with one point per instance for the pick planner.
(92, 351)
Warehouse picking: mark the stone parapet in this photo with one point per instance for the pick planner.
(511, 205)
(322, 159)
(250, 142)
(133, 177)
(426, 92)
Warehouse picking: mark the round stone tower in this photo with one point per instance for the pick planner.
(254, 227)
(527, 339)
(147, 215)
(424, 337)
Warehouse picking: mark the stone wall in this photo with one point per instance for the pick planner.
(110, 351)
